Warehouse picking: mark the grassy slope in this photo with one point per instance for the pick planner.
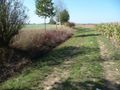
(85, 72)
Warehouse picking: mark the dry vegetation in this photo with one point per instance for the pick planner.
(39, 42)
(28, 44)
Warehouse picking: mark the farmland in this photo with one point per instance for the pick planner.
(74, 65)
(39, 26)
(59, 45)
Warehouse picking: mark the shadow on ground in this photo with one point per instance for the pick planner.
(76, 85)
(60, 55)
(87, 35)
(86, 85)
(83, 30)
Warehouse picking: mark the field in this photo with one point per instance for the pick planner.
(41, 26)
(87, 61)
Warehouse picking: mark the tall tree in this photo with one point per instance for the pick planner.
(12, 19)
(45, 8)
(64, 16)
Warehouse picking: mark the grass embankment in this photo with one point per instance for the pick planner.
(85, 73)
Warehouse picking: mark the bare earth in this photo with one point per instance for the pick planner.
(111, 71)
(59, 75)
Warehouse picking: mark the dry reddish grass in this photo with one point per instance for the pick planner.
(39, 41)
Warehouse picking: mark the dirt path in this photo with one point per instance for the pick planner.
(111, 72)
(59, 74)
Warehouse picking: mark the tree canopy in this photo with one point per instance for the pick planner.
(45, 8)
(64, 16)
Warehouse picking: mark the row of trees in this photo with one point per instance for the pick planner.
(13, 16)
(46, 8)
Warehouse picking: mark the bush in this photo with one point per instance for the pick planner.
(40, 43)
(12, 19)
(70, 24)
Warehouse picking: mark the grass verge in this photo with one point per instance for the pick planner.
(85, 72)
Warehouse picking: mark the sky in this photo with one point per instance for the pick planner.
(82, 11)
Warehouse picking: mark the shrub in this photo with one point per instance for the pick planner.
(40, 43)
(70, 24)
(12, 19)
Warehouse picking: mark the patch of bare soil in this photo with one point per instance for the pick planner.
(111, 71)
(59, 75)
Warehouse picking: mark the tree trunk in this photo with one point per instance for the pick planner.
(45, 23)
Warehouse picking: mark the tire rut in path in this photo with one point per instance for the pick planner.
(110, 71)
(57, 76)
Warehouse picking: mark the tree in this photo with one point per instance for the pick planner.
(59, 7)
(45, 8)
(64, 16)
(12, 19)
(52, 21)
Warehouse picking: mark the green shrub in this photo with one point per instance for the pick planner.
(12, 19)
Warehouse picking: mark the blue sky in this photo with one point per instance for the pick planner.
(83, 11)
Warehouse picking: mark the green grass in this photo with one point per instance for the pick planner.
(85, 72)
(114, 54)
(113, 51)
(38, 26)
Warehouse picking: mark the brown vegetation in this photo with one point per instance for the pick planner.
(38, 43)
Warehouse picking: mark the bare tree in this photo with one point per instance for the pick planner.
(12, 19)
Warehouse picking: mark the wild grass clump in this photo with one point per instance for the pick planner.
(38, 44)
